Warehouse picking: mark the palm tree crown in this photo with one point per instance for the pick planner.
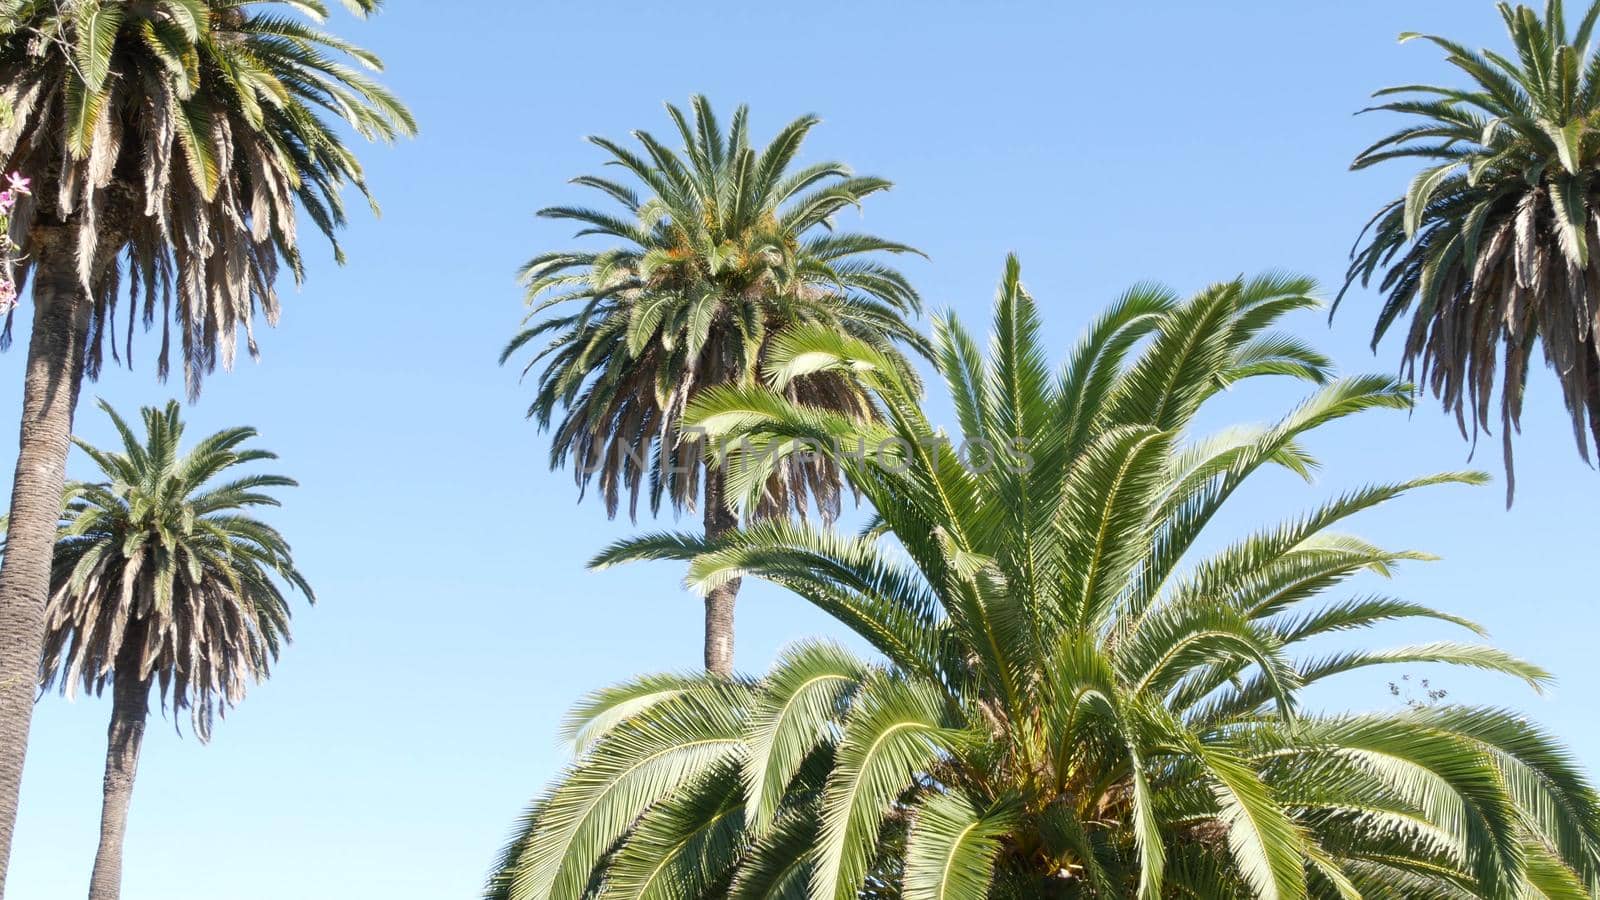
(1072, 701)
(727, 246)
(160, 573)
(183, 135)
(1494, 246)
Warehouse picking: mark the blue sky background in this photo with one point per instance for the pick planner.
(416, 711)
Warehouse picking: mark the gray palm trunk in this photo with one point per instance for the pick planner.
(129, 710)
(49, 396)
(720, 600)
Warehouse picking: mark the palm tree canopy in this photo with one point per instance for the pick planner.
(725, 246)
(184, 136)
(1072, 701)
(161, 573)
(1495, 245)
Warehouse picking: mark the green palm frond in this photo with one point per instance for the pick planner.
(802, 701)
(160, 576)
(896, 731)
(178, 143)
(1491, 247)
(685, 846)
(952, 847)
(720, 248)
(636, 765)
(1084, 689)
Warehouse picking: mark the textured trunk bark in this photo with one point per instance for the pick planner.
(719, 602)
(49, 395)
(129, 709)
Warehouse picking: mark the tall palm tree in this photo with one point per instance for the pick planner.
(161, 576)
(1073, 700)
(171, 145)
(727, 246)
(1494, 246)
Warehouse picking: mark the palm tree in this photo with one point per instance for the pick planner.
(727, 246)
(1072, 701)
(1492, 247)
(162, 577)
(171, 146)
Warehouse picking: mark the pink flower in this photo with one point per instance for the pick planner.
(7, 201)
(18, 183)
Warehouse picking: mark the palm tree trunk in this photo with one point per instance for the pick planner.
(129, 709)
(49, 394)
(719, 602)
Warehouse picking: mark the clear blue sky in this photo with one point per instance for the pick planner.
(1106, 143)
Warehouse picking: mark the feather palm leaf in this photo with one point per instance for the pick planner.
(717, 248)
(172, 146)
(1493, 250)
(1068, 700)
(162, 581)
(161, 575)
